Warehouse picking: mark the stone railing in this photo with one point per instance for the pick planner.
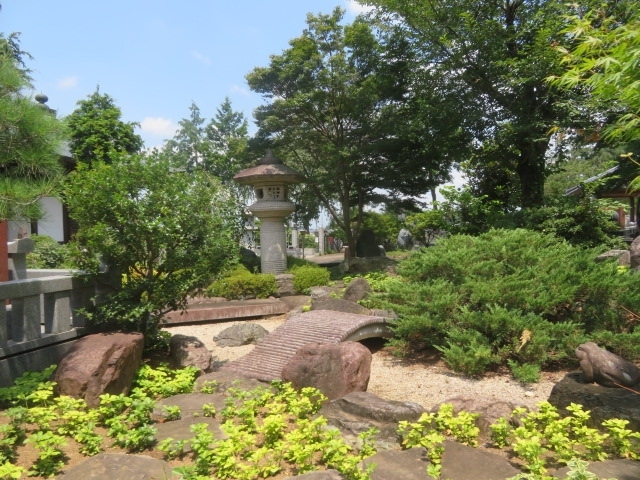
(39, 322)
(41, 311)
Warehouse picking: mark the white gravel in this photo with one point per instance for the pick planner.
(427, 383)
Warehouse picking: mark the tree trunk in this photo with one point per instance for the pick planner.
(531, 171)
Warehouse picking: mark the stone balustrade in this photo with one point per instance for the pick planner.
(39, 320)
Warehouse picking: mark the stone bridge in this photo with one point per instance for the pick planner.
(266, 361)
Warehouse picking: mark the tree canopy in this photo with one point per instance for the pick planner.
(97, 131)
(602, 58)
(331, 115)
(166, 234)
(501, 52)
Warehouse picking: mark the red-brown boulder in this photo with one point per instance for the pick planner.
(98, 364)
(334, 369)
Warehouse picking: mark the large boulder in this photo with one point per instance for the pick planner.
(405, 240)
(358, 289)
(334, 369)
(606, 368)
(623, 257)
(241, 334)
(99, 364)
(605, 403)
(367, 245)
(285, 285)
(188, 351)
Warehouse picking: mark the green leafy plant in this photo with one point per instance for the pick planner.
(163, 235)
(307, 276)
(239, 284)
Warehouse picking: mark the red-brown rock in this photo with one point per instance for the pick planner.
(98, 364)
(334, 369)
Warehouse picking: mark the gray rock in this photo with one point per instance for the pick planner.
(604, 403)
(606, 368)
(404, 239)
(370, 406)
(318, 475)
(463, 462)
(358, 289)
(188, 351)
(181, 430)
(489, 409)
(399, 465)
(634, 254)
(190, 404)
(320, 292)
(623, 256)
(119, 466)
(99, 364)
(360, 411)
(338, 305)
(334, 369)
(618, 469)
(241, 334)
(285, 285)
(222, 381)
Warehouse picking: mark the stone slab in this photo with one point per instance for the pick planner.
(206, 312)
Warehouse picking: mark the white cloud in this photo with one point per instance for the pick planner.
(201, 58)
(158, 126)
(238, 89)
(356, 8)
(67, 82)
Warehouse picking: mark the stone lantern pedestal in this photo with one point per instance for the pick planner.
(270, 180)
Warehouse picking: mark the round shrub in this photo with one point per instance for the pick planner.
(240, 284)
(307, 276)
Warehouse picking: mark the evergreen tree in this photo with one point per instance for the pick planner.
(98, 132)
(30, 139)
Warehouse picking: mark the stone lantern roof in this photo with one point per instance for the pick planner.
(269, 169)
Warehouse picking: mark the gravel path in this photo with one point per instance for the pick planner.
(427, 382)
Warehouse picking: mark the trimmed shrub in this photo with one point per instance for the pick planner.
(240, 284)
(511, 295)
(307, 276)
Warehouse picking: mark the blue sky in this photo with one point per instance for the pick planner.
(156, 57)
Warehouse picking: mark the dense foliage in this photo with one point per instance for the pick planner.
(511, 295)
(275, 430)
(240, 284)
(30, 144)
(98, 134)
(163, 235)
(47, 253)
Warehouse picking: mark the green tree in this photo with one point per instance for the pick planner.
(165, 234)
(323, 115)
(603, 59)
(30, 140)
(189, 148)
(229, 137)
(97, 131)
(501, 52)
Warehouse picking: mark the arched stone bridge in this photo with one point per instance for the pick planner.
(266, 361)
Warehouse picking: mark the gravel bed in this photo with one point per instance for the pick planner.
(428, 382)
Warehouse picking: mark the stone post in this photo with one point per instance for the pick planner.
(321, 241)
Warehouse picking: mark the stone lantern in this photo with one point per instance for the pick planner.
(270, 180)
